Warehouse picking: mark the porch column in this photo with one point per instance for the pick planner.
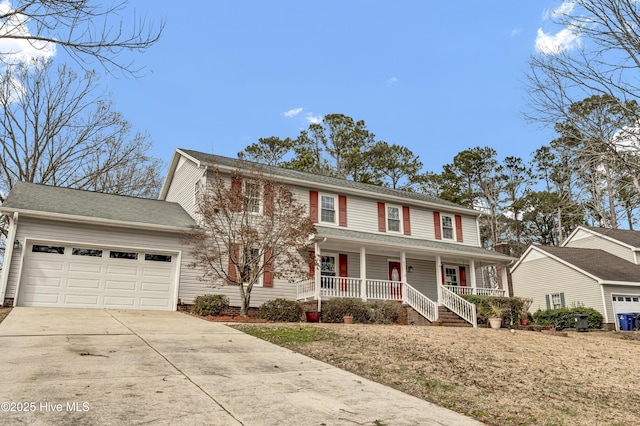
(505, 280)
(472, 275)
(439, 277)
(316, 274)
(8, 255)
(403, 275)
(363, 274)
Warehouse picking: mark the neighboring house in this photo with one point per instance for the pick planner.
(77, 248)
(595, 267)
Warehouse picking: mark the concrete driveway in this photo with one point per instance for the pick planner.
(96, 367)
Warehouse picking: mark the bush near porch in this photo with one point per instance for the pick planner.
(376, 312)
(512, 307)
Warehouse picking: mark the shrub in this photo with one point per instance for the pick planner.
(512, 306)
(565, 317)
(334, 310)
(384, 312)
(210, 304)
(281, 310)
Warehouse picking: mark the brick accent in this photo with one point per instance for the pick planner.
(8, 302)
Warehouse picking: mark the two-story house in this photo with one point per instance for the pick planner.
(594, 267)
(77, 248)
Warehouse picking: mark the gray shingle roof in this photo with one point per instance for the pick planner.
(626, 236)
(439, 246)
(597, 262)
(66, 201)
(210, 159)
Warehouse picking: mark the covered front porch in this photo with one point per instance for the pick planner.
(422, 274)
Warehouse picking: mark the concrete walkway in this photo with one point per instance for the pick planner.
(97, 367)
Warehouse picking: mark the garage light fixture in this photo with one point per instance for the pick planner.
(16, 244)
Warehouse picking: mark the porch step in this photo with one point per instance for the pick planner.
(446, 318)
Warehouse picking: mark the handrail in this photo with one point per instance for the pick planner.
(457, 289)
(462, 308)
(305, 288)
(421, 303)
(340, 286)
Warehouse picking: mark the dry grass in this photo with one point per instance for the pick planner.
(4, 312)
(495, 376)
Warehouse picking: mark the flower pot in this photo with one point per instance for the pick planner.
(348, 319)
(313, 316)
(523, 322)
(495, 322)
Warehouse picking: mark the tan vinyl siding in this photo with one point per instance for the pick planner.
(43, 230)
(542, 276)
(617, 289)
(423, 277)
(595, 242)
(183, 185)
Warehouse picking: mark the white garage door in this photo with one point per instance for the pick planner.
(624, 304)
(62, 275)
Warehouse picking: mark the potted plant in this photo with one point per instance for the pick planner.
(348, 319)
(495, 314)
(524, 312)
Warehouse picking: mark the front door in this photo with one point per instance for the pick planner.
(396, 278)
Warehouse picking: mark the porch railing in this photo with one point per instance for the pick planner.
(306, 289)
(475, 290)
(340, 286)
(421, 303)
(384, 290)
(464, 309)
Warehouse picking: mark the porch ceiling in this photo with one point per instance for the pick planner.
(383, 244)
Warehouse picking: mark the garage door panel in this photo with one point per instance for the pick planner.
(81, 300)
(117, 302)
(122, 270)
(89, 280)
(78, 283)
(86, 268)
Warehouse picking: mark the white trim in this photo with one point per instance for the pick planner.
(62, 217)
(30, 240)
(604, 306)
(8, 255)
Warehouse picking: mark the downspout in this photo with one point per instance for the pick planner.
(8, 255)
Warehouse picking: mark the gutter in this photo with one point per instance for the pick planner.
(8, 255)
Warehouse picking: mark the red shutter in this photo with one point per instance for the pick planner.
(313, 205)
(235, 202)
(342, 210)
(268, 199)
(436, 225)
(463, 276)
(406, 220)
(267, 276)
(343, 270)
(442, 273)
(382, 217)
(234, 252)
(459, 228)
(312, 263)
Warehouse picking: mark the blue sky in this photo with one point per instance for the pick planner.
(437, 77)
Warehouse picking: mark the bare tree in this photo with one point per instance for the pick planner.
(87, 30)
(249, 229)
(57, 129)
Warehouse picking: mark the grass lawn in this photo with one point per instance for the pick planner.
(495, 376)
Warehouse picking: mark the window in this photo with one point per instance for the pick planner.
(447, 227)
(393, 219)
(555, 301)
(450, 276)
(47, 249)
(328, 209)
(157, 257)
(252, 192)
(123, 255)
(251, 260)
(86, 252)
(327, 269)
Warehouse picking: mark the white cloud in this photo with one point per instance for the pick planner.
(515, 32)
(293, 112)
(555, 43)
(565, 9)
(20, 50)
(314, 119)
(393, 80)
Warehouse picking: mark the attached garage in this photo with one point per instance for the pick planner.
(83, 249)
(82, 276)
(626, 303)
